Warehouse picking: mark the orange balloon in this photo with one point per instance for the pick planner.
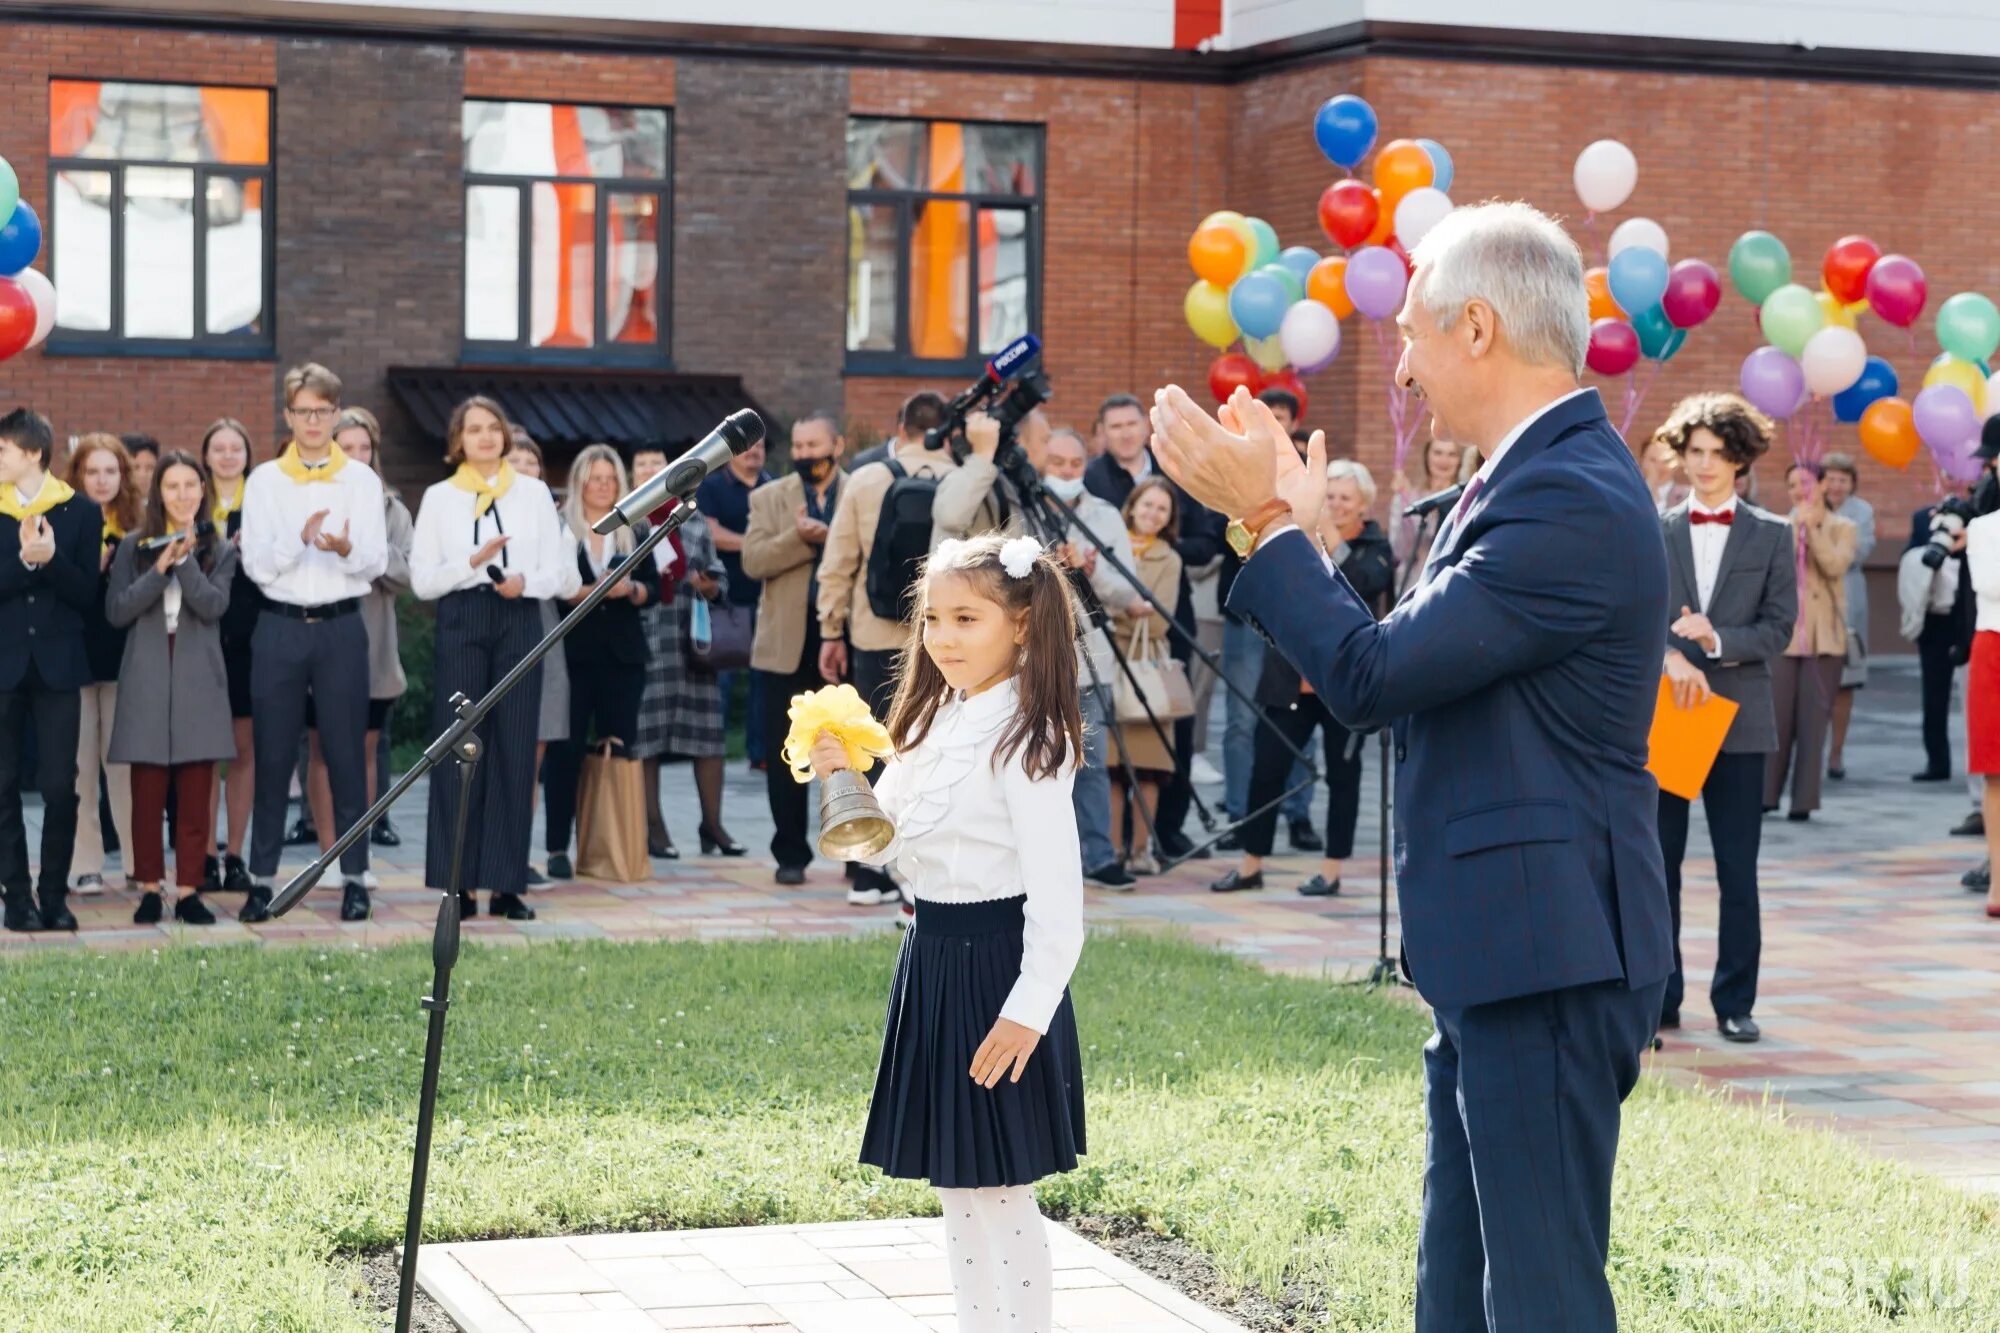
(1400, 167)
(1385, 221)
(1326, 283)
(1216, 253)
(1889, 432)
(1597, 282)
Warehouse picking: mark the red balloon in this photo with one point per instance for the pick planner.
(1228, 371)
(1896, 290)
(1348, 211)
(1288, 380)
(1614, 347)
(17, 318)
(1395, 247)
(1693, 292)
(1845, 269)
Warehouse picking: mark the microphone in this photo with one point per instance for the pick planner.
(1012, 357)
(166, 539)
(1443, 499)
(737, 432)
(496, 574)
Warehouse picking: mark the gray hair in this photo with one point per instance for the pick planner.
(1346, 469)
(1519, 261)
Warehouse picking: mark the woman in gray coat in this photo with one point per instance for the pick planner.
(175, 726)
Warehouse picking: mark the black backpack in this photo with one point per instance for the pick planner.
(902, 541)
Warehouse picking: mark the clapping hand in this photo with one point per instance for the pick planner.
(339, 545)
(38, 541)
(483, 557)
(176, 551)
(1239, 459)
(1694, 626)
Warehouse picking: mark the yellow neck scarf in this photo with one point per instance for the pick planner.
(468, 479)
(113, 530)
(225, 505)
(53, 493)
(1142, 544)
(289, 464)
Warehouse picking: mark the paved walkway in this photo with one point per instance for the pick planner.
(1880, 986)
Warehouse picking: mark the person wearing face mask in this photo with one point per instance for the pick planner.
(101, 471)
(782, 543)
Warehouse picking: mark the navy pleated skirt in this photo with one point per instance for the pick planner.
(928, 1119)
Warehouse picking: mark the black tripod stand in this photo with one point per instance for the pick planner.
(459, 744)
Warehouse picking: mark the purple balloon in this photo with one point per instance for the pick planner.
(1375, 281)
(1774, 383)
(1945, 419)
(1968, 468)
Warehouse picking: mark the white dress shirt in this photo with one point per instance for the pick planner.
(968, 832)
(447, 534)
(1708, 540)
(1982, 558)
(278, 561)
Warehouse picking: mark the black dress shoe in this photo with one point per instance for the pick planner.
(256, 906)
(384, 834)
(236, 876)
(189, 909)
(1930, 775)
(791, 875)
(149, 911)
(56, 914)
(1799, 816)
(663, 850)
(1178, 847)
(715, 841)
(1972, 826)
(1305, 838)
(1237, 882)
(1979, 878)
(1320, 887)
(1112, 876)
(303, 834)
(1739, 1029)
(21, 916)
(354, 901)
(510, 906)
(559, 866)
(211, 875)
(535, 879)
(1836, 774)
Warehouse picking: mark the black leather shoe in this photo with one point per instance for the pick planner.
(56, 914)
(236, 876)
(663, 850)
(1972, 826)
(354, 901)
(510, 906)
(303, 834)
(1930, 775)
(256, 906)
(1836, 774)
(715, 841)
(1799, 816)
(149, 911)
(1979, 878)
(468, 905)
(535, 879)
(1739, 1029)
(1305, 838)
(791, 875)
(1237, 882)
(191, 910)
(384, 834)
(559, 866)
(1178, 847)
(1111, 876)
(211, 875)
(21, 916)
(1319, 887)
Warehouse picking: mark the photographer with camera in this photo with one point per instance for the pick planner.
(1934, 590)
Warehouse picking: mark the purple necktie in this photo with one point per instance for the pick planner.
(1464, 504)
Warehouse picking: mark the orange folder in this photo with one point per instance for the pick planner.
(1685, 741)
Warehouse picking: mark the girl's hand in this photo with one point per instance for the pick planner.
(829, 756)
(1007, 1045)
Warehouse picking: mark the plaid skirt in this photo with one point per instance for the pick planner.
(680, 712)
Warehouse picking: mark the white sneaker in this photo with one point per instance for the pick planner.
(862, 896)
(1203, 773)
(88, 885)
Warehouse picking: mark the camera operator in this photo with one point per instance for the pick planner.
(1934, 589)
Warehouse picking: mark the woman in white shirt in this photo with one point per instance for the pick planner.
(987, 730)
(488, 547)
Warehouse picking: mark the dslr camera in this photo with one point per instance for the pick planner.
(1013, 384)
(1947, 521)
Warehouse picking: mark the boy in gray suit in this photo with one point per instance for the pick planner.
(1733, 593)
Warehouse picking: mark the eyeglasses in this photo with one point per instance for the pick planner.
(313, 415)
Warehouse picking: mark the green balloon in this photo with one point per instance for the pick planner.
(1295, 290)
(1266, 236)
(1791, 316)
(1968, 326)
(10, 188)
(1759, 264)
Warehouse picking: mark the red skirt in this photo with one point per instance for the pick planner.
(1982, 705)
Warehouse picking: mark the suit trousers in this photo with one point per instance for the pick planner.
(54, 715)
(291, 660)
(481, 636)
(1271, 777)
(1934, 645)
(1802, 690)
(1521, 1101)
(874, 676)
(1730, 800)
(99, 706)
(789, 797)
(608, 694)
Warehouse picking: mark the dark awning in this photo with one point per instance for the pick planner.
(565, 408)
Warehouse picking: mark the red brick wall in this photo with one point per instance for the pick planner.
(531, 75)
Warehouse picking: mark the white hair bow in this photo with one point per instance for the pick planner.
(1018, 556)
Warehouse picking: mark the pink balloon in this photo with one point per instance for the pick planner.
(1896, 290)
(1614, 347)
(1693, 292)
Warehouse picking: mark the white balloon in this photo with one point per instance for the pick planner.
(1310, 335)
(1993, 395)
(1605, 173)
(1638, 233)
(1832, 360)
(43, 293)
(1418, 211)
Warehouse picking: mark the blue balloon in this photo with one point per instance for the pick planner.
(1441, 168)
(20, 239)
(1638, 279)
(1345, 129)
(1878, 381)
(1299, 261)
(1257, 303)
(1658, 338)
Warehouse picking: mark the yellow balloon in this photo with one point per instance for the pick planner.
(1965, 375)
(1835, 312)
(1266, 352)
(1207, 309)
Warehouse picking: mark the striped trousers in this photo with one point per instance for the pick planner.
(481, 636)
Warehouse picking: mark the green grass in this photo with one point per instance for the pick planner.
(197, 1139)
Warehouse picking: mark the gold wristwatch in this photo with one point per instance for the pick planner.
(1243, 533)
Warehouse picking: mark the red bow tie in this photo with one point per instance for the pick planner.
(1726, 518)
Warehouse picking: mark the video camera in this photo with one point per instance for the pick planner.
(1018, 365)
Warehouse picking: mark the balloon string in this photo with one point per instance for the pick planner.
(1635, 394)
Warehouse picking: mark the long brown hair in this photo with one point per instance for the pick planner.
(156, 508)
(1171, 532)
(454, 432)
(1047, 732)
(124, 509)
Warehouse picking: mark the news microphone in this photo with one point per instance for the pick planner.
(1443, 499)
(1015, 357)
(738, 431)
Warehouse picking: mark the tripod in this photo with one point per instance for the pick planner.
(459, 744)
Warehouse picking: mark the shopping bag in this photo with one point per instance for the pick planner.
(611, 818)
(1156, 680)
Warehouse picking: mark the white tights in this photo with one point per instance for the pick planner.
(1002, 1275)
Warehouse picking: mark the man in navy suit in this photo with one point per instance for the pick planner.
(1520, 673)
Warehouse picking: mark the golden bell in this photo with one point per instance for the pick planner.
(851, 823)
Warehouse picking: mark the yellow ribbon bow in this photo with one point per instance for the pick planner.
(467, 478)
(289, 464)
(53, 493)
(840, 710)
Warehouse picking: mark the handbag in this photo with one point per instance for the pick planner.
(611, 818)
(719, 635)
(1155, 681)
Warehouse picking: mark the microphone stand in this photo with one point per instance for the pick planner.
(457, 743)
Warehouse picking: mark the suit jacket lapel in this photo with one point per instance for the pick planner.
(1580, 409)
(1680, 545)
(1732, 549)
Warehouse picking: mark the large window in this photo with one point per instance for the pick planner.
(943, 241)
(566, 232)
(160, 235)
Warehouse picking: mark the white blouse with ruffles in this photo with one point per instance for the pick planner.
(970, 831)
